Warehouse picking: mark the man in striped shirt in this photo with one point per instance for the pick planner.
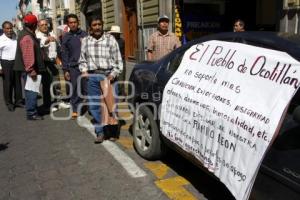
(162, 41)
(100, 59)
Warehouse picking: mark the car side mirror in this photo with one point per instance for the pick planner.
(296, 114)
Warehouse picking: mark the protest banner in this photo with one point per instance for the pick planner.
(224, 104)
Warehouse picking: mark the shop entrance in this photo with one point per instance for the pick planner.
(202, 17)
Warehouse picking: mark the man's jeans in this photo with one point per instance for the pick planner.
(94, 97)
(31, 103)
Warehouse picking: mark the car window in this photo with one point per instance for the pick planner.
(253, 43)
(175, 62)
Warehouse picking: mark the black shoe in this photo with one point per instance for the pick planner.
(19, 105)
(99, 139)
(44, 111)
(11, 107)
(35, 117)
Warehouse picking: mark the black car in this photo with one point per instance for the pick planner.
(279, 174)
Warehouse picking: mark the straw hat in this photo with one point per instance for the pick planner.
(115, 29)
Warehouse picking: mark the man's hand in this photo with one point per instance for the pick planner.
(110, 78)
(84, 74)
(33, 75)
(50, 39)
(67, 76)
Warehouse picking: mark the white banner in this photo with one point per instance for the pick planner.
(224, 104)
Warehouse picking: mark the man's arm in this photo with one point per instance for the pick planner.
(82, 59)
(27, 49)
(149, 55)
(117, 58)
(150, 48)
(65, 53)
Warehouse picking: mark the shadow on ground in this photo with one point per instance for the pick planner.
(3, 146)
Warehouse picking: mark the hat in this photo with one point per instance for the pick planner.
(30, 19)
(115, 29)
(163, 17)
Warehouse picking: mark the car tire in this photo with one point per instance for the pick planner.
(146, 138)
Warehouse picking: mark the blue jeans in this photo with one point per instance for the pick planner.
(31, 103)
(94, 94)
(94, 99)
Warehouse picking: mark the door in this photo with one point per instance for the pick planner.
(129, 12)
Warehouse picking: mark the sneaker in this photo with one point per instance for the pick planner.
(74, 115)
(35, 117)
(54, 109)
(64, 105)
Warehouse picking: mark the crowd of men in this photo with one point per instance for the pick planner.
(91, 64)
(34, 55)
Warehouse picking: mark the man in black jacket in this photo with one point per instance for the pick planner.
(29, 59)
(71, 44)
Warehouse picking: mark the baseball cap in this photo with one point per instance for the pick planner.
(30, 19)
(165, 17)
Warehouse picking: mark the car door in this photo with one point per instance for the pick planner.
(279, 175)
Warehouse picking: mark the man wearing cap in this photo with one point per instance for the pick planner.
(29, 59)
(162, 41)
(116, 32)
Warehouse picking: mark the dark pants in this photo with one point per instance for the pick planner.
(122, 77)
(75, 99)
(11, 84)
(47, 78)
(18, 87)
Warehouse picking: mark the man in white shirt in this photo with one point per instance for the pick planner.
(8, 46)
(48, 45)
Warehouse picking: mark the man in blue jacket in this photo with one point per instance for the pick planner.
(71, 44)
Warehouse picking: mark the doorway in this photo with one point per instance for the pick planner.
(129, 11)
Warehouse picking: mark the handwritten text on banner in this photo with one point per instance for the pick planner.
(224, 104)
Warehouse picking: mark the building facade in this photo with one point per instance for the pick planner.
(189, 19)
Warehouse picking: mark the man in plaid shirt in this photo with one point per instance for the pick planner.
(101, 57)
(162, 41)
